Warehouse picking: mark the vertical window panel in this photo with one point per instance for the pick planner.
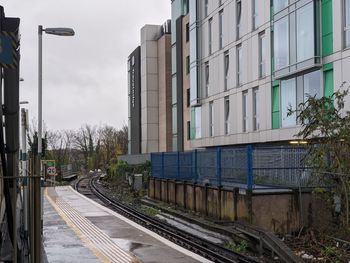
(239, 65)
(256, 108)
(288, 101)
(305, 33)
(245, 111)
(278, 5)
(226, 69)
(262, 55)
(255, 14)
(281, 43)
(238, 18)
(227, 115)
(221, 36)
(206, 8)
(210, 24)
(312, 85)
(211, 119)
(206, 79)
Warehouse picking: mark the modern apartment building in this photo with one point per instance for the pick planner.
(250, 60)
(149, 91)
(238, 65)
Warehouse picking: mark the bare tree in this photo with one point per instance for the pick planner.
(85, 140)
(122, 136)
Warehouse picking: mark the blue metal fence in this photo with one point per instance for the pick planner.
(248, 166)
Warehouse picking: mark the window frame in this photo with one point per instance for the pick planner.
(211, 118)
(207, 78)
(255, 15)
(245, 118)
(187, 32)
(206, 7)
(262, 62)
(187, 65)
(238, 19)
(239, 57)
(221, 29)
(226, 69)
(210, 36)
(227, 114)
(256, 103)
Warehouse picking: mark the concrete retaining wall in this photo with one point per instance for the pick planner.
(276, 212)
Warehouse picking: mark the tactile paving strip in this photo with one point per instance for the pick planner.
(102, 243)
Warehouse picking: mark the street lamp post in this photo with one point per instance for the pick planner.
(36, 190)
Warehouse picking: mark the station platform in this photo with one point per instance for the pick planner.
(78, 229)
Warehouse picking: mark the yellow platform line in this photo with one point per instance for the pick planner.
(94, 238)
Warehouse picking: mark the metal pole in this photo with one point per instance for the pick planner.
(24, 171)
(40, 89)
(36, 246)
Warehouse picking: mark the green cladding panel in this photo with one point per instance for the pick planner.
(328, 80)
(275, 105)
(327, 27)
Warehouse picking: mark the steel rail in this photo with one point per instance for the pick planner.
(211, 251)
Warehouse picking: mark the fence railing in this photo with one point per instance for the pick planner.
(247, 166)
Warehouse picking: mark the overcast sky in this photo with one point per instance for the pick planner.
(85, 76)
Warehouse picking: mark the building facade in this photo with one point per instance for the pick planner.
(251, 60)
(149, 92)
(237, 66)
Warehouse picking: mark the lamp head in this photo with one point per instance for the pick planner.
(59, 31)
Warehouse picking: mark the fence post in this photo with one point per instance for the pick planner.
(218, 166)
(249, 167)
(194, 166)
(178, 166)
(152, 164)
(162, 164)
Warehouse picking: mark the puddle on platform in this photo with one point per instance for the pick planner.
(129, 245)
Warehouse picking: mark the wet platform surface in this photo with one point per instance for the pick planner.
(77, 229)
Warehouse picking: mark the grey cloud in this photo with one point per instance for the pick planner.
(84, 76)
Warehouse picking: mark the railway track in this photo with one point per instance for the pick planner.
(90, 187)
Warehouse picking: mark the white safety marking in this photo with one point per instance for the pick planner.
(96, 236)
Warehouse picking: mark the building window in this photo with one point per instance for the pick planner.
(255, 16)
(245, 111)
(347, 23)
(256, 108)
(278, 5)
(221, 36)
(185, 6)
(239, 65)
(210, 24)
(262, 55)
(206, 79)
(288, 102)
(211, 119)
(296, 39)
(188, 93)
(227, 115)
(312, 85)
(226, 69)
(187, 32)
(238, 18)
(188, 130)
(297, 90)
(281, 43)
(187, 65)
(305, 32)
(206, 8)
